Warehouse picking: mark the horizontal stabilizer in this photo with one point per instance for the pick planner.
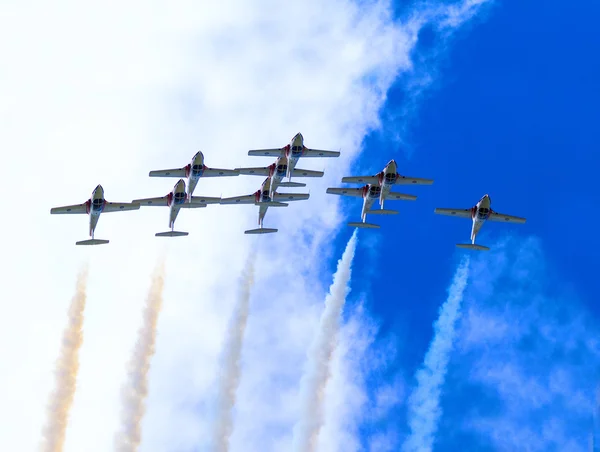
(190, 205)
(382, 212)
(292, 184)
(260, 231)
(272, 204)
(470, 246)
(171, 234)
(92, 242)
(364, 225)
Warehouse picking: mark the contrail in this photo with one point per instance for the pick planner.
(66, 371)
(424, 403)
(230, 371)
(135, 390)
(314, 381)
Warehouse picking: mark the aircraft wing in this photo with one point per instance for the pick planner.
(216, 172)
(320, 153)
(205, 200)
(247, 199)
(461, 213)
(268, 152)
(254, 171)
(306, 173)
(177, 172)
(290, 196)
(76, 208)
(361, 179)
(400, 196)
(162, 201)
(120, 206)
(405, 180)
(358, 192)
(495, 216)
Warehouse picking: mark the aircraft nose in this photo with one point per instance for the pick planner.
(98, 187)
(299, 135)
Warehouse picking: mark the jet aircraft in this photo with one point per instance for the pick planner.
(293, 151)
(370, 193)
(193, 172)
(386, 178)
(277, 171)
(176, 200)
(94, 207)
(264, 199)
(479, 213)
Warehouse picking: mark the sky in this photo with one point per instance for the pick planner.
(496, 97)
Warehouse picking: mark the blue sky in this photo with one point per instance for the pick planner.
(494, 97)
(512, 112)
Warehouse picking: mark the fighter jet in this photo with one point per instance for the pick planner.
(293, 152)
(277, 171)
(370, 193)
(263, 199)
(193, 172)
(479, 213)
(94, 207)
(386, 178)
(176, 200)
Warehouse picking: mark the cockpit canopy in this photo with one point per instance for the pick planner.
(390, 177)
(197, 169)
(375, 190)
(297, 148)
(179, 197)
(97, 204)
(281, 168)
(484, 212)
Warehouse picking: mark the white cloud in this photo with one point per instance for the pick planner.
(103, 94)
(526, 344)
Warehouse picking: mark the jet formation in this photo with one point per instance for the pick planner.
(377, 188)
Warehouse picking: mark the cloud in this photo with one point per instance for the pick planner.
(527, 345)
(106, 93)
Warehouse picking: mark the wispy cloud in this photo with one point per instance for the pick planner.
(528, 344)
(424, 403)
(167, 80)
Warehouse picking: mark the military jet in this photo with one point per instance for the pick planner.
(94, 207)
(194, 171)
(386, 179)
(264, 199)
(293, 151)
(176, 200)
(479, 213)
(277, 171)
(370, 193)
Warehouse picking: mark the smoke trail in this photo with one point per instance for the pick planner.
(135, 390)
(230, 371)
(314, 381)
(423, 405)
(66, 371)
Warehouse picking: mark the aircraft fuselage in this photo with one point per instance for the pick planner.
(95, 206)
(479, 213)
(194, 171)
(175, 199)
(371, 193)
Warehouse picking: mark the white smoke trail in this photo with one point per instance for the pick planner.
(314, 381)
(424, 403)
(135, 390)
(67, 368)
(230, 372)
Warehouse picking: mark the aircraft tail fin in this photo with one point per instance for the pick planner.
(92, 242)
(472, 246)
